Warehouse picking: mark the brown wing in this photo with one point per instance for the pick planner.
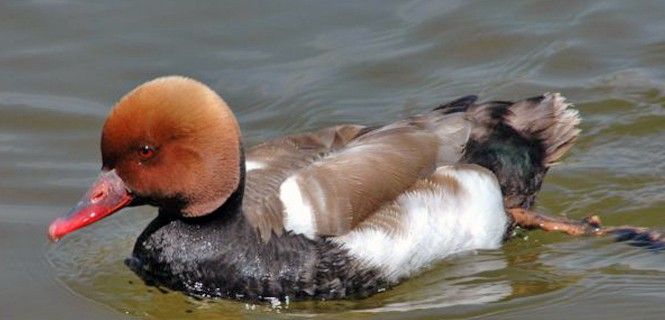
(279, 159)
(347, 186)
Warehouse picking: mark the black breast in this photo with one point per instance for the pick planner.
(223, 257)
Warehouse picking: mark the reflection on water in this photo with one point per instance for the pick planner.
(287, 67)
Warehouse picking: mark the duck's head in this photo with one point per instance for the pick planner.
(171, 142)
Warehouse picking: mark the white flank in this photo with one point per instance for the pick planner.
(298, 215)
(435, 224)
(253, 165)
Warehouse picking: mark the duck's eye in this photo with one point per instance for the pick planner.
(146, 152)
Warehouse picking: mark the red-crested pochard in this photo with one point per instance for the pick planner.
(345, 211)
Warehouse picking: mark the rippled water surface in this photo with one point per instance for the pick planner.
(291, 66)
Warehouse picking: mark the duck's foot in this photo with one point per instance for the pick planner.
(589, 226)
(528, 219)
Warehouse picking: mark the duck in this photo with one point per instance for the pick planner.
(343, 212)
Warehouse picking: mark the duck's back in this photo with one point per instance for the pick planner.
(328, 182)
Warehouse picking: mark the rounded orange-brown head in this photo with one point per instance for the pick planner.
(171, 142)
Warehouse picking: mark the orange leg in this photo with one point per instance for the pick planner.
(589, 226)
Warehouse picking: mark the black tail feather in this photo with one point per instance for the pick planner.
(518, 141)
(458, 105)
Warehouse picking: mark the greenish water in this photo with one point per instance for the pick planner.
(292, 66)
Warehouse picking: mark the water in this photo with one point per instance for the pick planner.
(292, 66)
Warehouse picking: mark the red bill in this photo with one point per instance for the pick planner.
(107, 195)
